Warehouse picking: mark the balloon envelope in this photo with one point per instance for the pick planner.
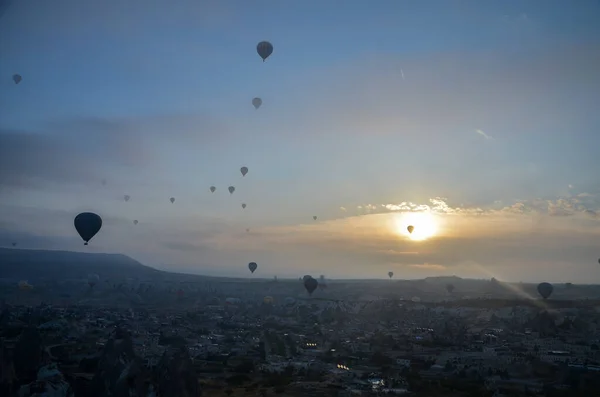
(390, 274)
(135, 222)
(212, 189)
(314, 217)
(264, 49)
(231, 189)
(545, 290)
(126, 197)
(87, 225)
(252, 266)
(243, 205)
(410, 229)
(17, 78)
(93, 279)
(256, 102)
(244, 171)
(311, 285)
(172, 200)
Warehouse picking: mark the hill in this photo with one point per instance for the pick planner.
(22, 264)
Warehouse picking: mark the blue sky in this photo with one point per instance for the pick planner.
(363, 105)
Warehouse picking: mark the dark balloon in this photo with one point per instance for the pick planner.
(390, 274)
(212, 189)
(410, 229)
(264, 49)
(244, 171)
(87, 225)
(311, 285)
(450, 288)
(545, 290)
(252, 266)
(17, 77)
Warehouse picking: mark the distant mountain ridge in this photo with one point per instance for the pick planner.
(46, 264)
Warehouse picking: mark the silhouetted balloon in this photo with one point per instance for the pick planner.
(135, 221)
(17, 78)
(243, 205)
(390, 274)
(126, 197)
(93, 279)
(231, 189)
(264, 49)
(410, 228)
(311, 285)
(256, 102)
(545, 290)
(450, 288)
(172, 200)
(212, 189)
(314, 217)
(244, 171)
(14, 244)
(87, 225)
(252, 266)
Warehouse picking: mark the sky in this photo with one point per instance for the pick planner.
(476, 122)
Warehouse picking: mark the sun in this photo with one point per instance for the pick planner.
(425, 225)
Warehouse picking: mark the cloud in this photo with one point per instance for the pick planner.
(87, 149)
(429, 266)
(580, 204)
(483, 134)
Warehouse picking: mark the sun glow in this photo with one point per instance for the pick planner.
(425, 225)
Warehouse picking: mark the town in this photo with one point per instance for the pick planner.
(223, 338)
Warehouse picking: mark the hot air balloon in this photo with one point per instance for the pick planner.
(14, 244)
(244, 171)
(314, 217)
(135, 221)
(243, 205)
(93, 280)
(545, 290)
(252, 266)
(264, 49)
(172, 200)
(410, 228)
(311, 285)
(87, 225)
(450, 288)
(126, 197)
(212, 189)
(256, 102)
(231, 189)
(17, 77)
(306, 277)
(390, 274)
